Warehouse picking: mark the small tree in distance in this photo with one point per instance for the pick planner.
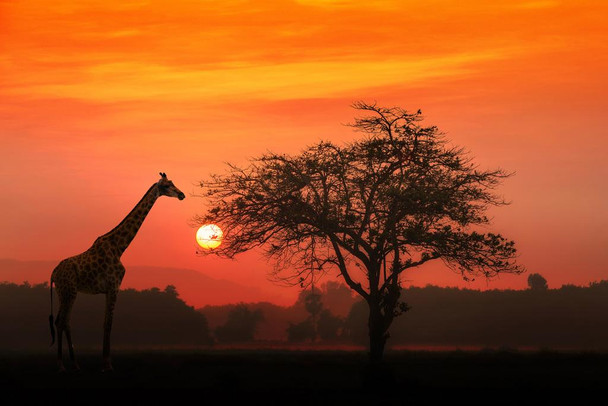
(321, 323)
(338, 298)
(394, 199)
(537, 282)
(241, 324)
(313, 305)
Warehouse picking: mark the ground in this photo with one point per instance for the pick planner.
(323, 377)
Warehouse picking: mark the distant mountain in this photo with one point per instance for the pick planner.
(195, 288)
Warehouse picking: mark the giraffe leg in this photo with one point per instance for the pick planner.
(60, 366)
(107, 329)
(66, 300)
(68, 336)
(68, 332)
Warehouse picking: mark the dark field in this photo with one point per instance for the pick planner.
(319, 377)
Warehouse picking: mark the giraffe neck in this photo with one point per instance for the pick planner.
(122, 235)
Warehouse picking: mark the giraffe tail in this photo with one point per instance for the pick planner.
(51, 317)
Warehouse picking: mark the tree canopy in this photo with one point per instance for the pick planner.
(394, 199)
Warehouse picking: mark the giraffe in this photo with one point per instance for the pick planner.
(99, 270)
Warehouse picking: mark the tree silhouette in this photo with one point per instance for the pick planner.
(394, 199)
(337, 297)
(147, 318)
(320, 323)
(301, 331)
(313, 305)
(537, 282)
(354, 328)
(329, 326)
(171, 290)
(241, 324)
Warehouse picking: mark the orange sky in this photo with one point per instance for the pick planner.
(97, 97)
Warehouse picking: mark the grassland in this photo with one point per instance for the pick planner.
(321, 377)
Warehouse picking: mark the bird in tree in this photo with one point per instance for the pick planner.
(394, 199)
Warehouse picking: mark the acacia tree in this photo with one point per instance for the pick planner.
(396, 198)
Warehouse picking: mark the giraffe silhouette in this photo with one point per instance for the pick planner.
(99, 270)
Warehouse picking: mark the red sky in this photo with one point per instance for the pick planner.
(97, 97)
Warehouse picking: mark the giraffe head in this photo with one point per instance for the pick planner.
(167, 188)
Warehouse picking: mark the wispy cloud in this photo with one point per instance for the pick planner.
(341, 4)
(132, 81)
(537, 4)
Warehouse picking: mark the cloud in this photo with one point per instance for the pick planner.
(341, 4)
(537, 4)
(130, 81)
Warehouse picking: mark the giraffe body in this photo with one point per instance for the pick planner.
(99, 270)
(94, 271)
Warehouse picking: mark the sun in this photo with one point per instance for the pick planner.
(209, 236)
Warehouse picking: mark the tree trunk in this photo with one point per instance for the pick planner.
(377, 333)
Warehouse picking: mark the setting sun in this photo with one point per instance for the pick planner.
(209, 236)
